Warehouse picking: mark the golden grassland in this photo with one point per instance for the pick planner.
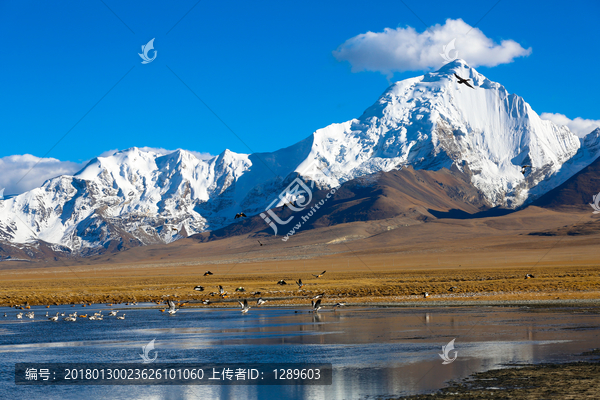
(103, 284)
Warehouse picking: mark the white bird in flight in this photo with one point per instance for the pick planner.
(260, 301)
(245, 306)
(172, 309)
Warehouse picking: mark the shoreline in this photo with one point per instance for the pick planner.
(571, 380)
(329, 302)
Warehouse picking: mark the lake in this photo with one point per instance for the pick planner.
(375, 352)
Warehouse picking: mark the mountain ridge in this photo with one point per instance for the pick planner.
(430, 122)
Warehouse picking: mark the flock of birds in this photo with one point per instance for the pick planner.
(172, 306)
(245, 307)
(453, 288)
(98, 316)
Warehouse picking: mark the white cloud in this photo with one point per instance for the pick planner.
(405, 49)
(578, 126)
(202, 156)
(108, 153)
(20, 173)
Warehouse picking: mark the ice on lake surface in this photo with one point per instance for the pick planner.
(375, 352)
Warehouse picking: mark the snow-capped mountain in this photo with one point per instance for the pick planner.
(432, 122)
(137, 197)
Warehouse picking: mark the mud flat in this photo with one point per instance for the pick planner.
(580, 380)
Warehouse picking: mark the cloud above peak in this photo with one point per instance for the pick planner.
(405, 49)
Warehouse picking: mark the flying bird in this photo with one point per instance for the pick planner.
(320, 275)
(240, 289)
(289, 205)
(524, 168)
(172, 309)
(319, 296)
(300, 284)
(245, 306)
(112, 313)
(316, 305)
(425, 295)
(259, 242)
(260, 301)
(282, 282)
(207, 273)
(199, 288)
(464, 81)
(339, 305)
(239, 215)
(206, 302)
(529, 276)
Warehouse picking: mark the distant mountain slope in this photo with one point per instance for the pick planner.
(409, 193)
(577, 192)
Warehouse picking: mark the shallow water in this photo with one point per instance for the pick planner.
(375, 352)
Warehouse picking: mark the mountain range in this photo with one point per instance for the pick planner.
(427, 148)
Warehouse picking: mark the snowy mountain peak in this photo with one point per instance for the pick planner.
(432, 121)
(457, 66)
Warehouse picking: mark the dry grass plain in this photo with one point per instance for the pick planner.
(377, 281)
(388, 261)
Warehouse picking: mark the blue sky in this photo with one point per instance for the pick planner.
(266, 68)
